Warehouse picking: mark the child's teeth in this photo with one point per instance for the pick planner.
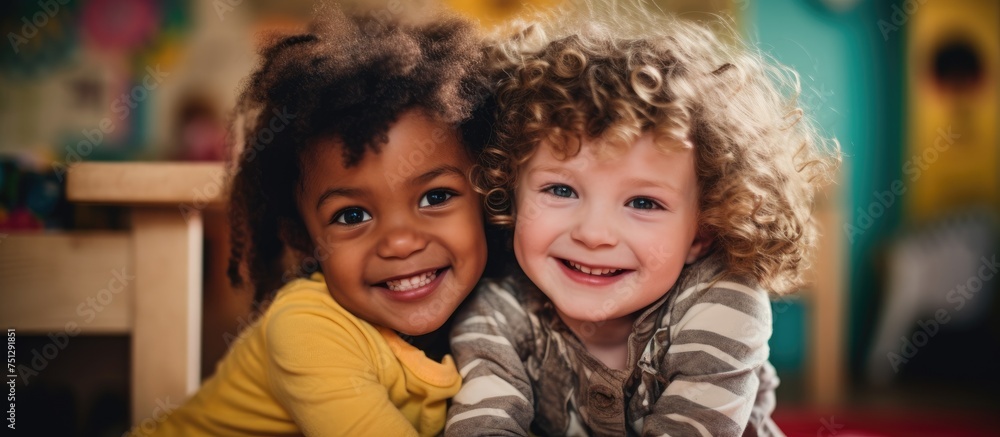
(595, 272)
(411, 282)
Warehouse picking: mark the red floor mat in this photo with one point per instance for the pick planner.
(875, 423)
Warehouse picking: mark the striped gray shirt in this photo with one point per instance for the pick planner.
(698, 365)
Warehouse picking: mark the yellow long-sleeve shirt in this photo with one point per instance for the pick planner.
(308, 366)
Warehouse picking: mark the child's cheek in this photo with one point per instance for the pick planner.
(533, 207)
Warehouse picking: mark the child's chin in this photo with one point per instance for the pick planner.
(422, 327)
(416, 332)
(582, 312)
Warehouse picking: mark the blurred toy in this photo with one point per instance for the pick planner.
(41, 38)
(201, 131)
(31, 198)
(941, 274)
(120, 24)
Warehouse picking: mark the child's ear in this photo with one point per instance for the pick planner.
(700, 245)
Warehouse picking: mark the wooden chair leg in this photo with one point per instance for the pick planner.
(166, 338)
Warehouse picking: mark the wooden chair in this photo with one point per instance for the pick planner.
(145, 282)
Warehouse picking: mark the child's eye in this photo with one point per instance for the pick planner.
(435, 197)
(643, 203)
(351, 216)
(561, 191)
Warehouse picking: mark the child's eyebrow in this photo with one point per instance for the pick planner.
(646, 183)
(555, 170)
(339, 192)
(438, 171)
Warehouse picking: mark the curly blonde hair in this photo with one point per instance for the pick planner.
(759, 161)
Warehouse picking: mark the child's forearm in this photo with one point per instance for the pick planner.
(703, 408)
(717, 354)
(496, 396)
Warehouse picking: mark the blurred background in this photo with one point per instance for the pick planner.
(897, 335)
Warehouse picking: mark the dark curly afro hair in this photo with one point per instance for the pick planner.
(348, 78)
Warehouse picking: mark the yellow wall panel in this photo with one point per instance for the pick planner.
(952, 71)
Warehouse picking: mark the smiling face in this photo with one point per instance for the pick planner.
(605, 237)
(402, 229)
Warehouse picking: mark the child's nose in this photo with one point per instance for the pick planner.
(594, 230)
(401, 242)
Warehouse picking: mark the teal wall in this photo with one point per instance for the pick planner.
(851, 84)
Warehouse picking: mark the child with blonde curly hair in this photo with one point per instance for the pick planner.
(659, 185)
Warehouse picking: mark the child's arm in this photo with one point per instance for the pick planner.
(321, 371)
(496, 396)
(717, 347)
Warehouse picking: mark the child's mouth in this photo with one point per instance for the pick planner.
(412, 282)
(593, 271)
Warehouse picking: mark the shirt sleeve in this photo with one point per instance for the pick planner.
(718, 344)
(322, 370)
(496, 396)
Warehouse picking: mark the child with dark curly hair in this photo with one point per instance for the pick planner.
(659, 183)
(354, 144)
